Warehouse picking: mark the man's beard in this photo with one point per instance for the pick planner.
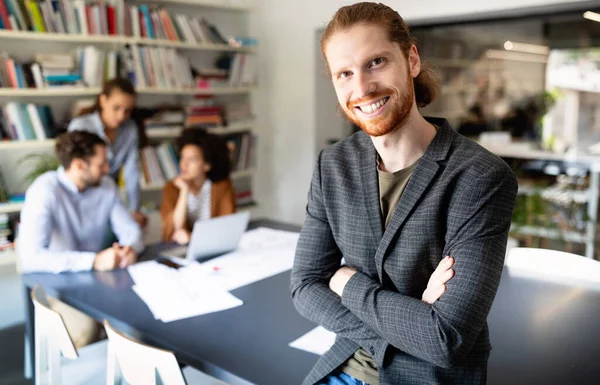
(89, 181)
(391, 120)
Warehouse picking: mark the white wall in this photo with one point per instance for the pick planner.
(285, 103)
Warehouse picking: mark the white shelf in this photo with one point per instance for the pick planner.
(221, 5)
(556, 194)
(195, 91)
(543, 232)
(174, 131)
(118, 40)
(49, 91)
(25, 144)
(235, 174)
(81, 91)
(8, 257)
(10, 207)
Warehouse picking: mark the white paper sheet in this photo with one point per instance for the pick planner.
(262, 253)
(317, 341)
(201, 288)
(170, 296)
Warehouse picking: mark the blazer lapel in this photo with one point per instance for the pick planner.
(423, 175)
(369, 192)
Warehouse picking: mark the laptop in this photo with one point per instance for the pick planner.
(213, 237)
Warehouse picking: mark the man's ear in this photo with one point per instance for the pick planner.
(78, 164)
(414, 61)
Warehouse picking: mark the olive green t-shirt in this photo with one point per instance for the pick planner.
(391, 186)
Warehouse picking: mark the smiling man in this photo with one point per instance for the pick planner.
(394, 200)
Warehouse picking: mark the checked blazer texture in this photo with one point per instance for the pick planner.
(458, 202)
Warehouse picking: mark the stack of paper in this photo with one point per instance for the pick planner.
(170, 296)
(317, 341)
(201, 288)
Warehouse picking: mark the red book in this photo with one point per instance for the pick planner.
(143, 28)
(112, 20)
(91, 21)
(4, 15)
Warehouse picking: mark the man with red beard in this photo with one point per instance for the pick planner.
(395, 200)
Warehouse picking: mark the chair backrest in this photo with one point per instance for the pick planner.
(51, 339)
(139, 364)
(552, 263)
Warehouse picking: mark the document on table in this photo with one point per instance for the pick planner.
(317, 341)
(201, 288)
(171, 297)
(262, 253)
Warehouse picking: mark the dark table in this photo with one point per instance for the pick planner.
(542, 332)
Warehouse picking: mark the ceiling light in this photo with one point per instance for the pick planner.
(592, 16)
(527, 48)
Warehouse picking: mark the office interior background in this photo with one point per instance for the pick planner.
(522, 77)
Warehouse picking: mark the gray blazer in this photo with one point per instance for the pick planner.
(458, 202)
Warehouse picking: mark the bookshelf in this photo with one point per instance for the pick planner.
(234, 175)
(7, 208)
(154, 133)
(117, 40)
(26, 144)
(82, 91)
(228, 16)
(237, 6)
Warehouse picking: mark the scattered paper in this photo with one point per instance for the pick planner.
(201, 288)
(317, 341)
(262, 253)
(171, 297)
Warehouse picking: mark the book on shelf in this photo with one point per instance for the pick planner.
(29, 121)
(111, 18)
(241, 148)
(243, 192)
(159, 67)
(159, 164)
(203, 111)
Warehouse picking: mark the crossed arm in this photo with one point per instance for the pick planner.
(441, 333)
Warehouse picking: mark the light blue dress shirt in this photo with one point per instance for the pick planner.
(123, 152)
(63, 228)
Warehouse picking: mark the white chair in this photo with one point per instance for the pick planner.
(552, 264)
(76, 367)
(141, 364)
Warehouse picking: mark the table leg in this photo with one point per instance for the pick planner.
(29, 358)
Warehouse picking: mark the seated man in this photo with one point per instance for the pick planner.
(67, 216)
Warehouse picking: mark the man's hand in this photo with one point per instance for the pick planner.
(140, 218)
(437, 283)
(338, 282)
(181, 184)
(126, 255)
(181, 236)
(106, 260)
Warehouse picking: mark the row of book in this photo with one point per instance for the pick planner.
(88, 67)
(241, 147)
(159, 164)
(204, 111)
(109, 18)
(158, 67)
(21, 121)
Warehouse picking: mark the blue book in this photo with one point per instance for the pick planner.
(63, 78)
(20, 76)
(146, 11)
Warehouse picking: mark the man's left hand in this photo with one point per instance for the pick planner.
(338, 282)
